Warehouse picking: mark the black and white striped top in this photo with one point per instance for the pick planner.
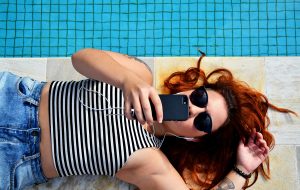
(85, 137)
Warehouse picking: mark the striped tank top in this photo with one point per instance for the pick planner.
(89, 132)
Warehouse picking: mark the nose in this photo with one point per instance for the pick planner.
(195, 110)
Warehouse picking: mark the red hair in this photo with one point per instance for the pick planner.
(214, 156)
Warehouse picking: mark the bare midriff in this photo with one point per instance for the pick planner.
(45, 144)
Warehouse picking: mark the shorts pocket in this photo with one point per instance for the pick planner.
(23, 174)
(25, 86)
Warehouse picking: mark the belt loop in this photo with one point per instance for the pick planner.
(31, 101)
(34, 97)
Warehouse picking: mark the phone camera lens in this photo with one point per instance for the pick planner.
(184, 100)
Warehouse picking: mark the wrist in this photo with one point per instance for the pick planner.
(241, 171)
(242, 168)
(125, 79)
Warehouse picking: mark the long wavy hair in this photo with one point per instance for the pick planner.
(210, 159)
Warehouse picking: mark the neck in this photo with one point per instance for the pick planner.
(158, 129)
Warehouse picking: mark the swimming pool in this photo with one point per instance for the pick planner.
(42, 28)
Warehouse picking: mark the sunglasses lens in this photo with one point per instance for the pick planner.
(203, 122)
(199, 97)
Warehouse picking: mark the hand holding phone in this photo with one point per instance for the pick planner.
(175, 107)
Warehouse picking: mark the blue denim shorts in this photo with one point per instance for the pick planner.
(20, 164)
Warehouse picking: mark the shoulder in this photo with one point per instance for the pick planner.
(149, 168)
(139, 160)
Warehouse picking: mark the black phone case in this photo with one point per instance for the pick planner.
(175, 107)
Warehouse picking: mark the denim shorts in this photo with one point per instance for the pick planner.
(20, 164)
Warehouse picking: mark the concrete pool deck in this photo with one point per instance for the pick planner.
(277, 77)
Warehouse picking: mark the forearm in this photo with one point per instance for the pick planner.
(163, 183)
(98, 65)
(232, 181)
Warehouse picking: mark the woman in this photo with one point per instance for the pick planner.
(86, 127)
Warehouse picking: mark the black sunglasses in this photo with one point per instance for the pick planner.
(203, 121)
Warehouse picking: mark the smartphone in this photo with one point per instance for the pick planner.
(175, 107)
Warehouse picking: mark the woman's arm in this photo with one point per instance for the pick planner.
(109, 66)
(232, 181)
(126, 73)
(249, 157)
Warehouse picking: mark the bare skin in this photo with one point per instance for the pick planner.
(136, 82)
(45, 144)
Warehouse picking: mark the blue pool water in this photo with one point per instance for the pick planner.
(47, 28)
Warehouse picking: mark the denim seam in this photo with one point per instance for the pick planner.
(23, 160)
(1, 140)
(33, 169)
(21, 130)
(28, 110)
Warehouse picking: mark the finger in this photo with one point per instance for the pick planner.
(138, 111)
(253, 144)
(252, 137)
(262, 143)
(253, 147)
(127, 109)
(259, 136)
(266, 152)
(146, 109)
(157, 105)
(258, 152)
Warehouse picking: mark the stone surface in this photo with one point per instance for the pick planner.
(277, 77)
(283, 166)
(62, 69)
(33, 67)
(282, 88)
(83, 183)
(298, 163)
